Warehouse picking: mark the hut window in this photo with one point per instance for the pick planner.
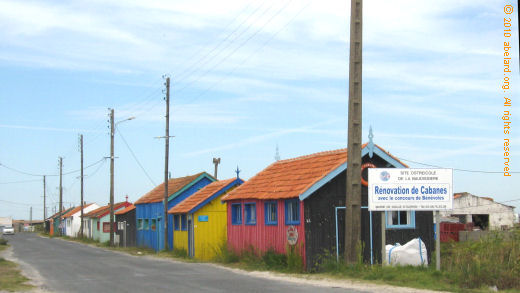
(400, 220)
(184, 223)
(292, 212)
(176, 222)
(139, 224)
(145, 225)
(250, 213)
(236, 214)
(152, 226)
(271, 213)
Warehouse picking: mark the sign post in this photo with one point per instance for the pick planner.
(391, 189)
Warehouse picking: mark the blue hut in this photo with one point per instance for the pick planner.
(150, 209)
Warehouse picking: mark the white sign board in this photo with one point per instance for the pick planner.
(392, 189)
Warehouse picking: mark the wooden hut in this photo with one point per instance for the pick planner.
(300, 203)
(200, 221)
(98, 227)
(126, 228)
(150, 208)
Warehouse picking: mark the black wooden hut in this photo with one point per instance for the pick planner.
(324, 206)
(126, 226)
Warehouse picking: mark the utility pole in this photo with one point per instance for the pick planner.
(44, 201)
(30, 217)
(166, 155)
(81, 179)
(61, 195)
(216, 161)
(353, 197)
(112, 177)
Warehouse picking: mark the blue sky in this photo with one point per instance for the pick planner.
(246, 76)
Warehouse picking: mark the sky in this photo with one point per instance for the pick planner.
(246, 77)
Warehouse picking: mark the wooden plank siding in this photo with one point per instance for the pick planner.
(263, 237)
(320, 223)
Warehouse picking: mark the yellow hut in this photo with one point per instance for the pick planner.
(200, 221)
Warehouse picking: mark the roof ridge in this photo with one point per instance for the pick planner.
(323, 153)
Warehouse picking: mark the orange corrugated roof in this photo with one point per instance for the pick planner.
(99, 212)
(125, 210)
(290, 178)
(174, 185)
(200, 196)
(74, 210)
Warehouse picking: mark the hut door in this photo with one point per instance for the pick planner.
(190, 236)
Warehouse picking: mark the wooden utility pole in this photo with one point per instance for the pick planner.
(166, 154)
(61, 195)
(44, 201)
(81, 179)
(353, 198)
(112, 177)
(216, 161)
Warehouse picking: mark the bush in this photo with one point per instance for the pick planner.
(274, 260)
(180, 252)
(491, 261)
(3, 241)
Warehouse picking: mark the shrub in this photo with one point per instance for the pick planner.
(491, 261)
(224, 254)
(3, 241)
(274, 260)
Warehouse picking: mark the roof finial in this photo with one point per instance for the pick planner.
(277, 154)
(238, 172)
(370, 142)
(126, 198)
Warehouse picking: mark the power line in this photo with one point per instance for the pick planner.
(248, 57)
(456, 169)
(192, 68)
(22, 181)
(40, 175)
(236, 49)
(135, 157)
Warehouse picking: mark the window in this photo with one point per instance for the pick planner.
(98, 225)
(139, 224)
(106, 227)
(250, 213)
(400, 220)
(292, 212)
(153, 223)
(236, 214)
(176, 222)
(145, 225)
(271, 213)
(184, 223)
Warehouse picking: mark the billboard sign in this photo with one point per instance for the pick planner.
(392, 189)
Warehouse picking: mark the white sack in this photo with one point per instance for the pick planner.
(412, 253)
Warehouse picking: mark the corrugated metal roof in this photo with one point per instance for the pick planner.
(200, 196)
(174, 185)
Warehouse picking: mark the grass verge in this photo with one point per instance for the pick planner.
(11, 280)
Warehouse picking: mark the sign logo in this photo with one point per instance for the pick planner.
(385, 176)
(292, 235)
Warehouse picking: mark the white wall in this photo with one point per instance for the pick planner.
(468, 204)
(73, 230)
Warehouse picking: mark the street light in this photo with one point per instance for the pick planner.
(112, 130)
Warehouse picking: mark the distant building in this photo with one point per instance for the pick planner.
(5, 222)
(483, 212)
(72, 219)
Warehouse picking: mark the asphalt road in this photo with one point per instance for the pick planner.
(73, 267)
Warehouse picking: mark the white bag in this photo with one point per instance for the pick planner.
(412, 253)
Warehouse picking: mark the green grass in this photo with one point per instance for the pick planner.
(11, 280)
